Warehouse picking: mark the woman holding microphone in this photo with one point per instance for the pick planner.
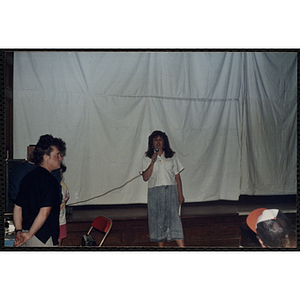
(161, 168)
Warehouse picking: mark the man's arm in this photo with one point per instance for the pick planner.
(17, 216)
(36, 225)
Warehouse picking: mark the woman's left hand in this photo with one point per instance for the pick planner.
(181, 199)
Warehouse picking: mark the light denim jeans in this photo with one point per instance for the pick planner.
(163, 214)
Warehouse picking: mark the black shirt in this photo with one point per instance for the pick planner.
(40, 189)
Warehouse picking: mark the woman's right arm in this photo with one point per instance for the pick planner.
(148, 172)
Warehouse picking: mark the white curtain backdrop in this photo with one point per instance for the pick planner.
(230, 117)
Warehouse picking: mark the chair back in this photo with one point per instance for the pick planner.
(102, 223)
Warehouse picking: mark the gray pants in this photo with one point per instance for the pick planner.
(163, 214)
(35, 242)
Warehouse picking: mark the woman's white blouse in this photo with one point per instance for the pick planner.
(164, 170)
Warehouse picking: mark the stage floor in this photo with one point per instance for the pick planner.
(207, 224)
(286, 203)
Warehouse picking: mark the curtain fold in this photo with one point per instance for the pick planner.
(269, 130)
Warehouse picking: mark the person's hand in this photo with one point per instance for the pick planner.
(67, 197)
(18, 237)
(21, 238)
(154, 157)
(181, 199)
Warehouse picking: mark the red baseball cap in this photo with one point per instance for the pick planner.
(252, 218)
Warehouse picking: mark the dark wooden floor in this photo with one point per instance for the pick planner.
(206, 224)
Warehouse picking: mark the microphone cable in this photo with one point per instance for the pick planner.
(101, 195)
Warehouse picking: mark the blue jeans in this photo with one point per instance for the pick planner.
(163, 214)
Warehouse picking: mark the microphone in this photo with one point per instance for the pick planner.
(156, 150)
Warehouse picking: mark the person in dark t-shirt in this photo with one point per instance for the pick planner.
(36, 210)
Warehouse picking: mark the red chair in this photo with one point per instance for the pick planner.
(102, 224)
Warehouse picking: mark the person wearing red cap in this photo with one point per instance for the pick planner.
(272, 227)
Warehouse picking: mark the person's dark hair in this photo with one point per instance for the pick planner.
(63, 168)
(61, 146)
(167, 149)
(289, 241)
(272, 231)
(44, 146)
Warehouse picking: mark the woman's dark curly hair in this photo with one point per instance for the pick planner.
(167, 149)
(44, 146)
